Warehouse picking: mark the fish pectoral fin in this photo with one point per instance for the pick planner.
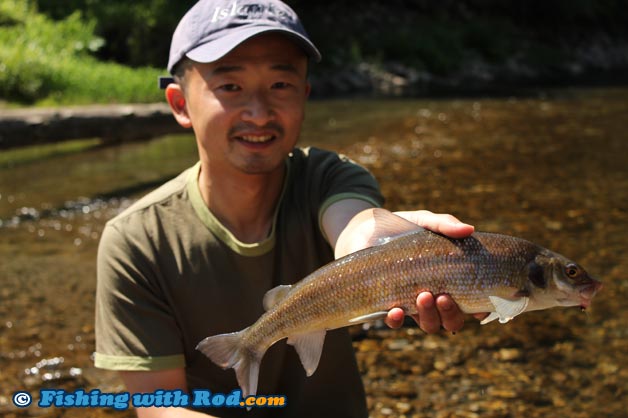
(275, 295)
(368, 317)
(309, 347)
(506, 309)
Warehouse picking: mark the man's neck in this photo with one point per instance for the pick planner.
(244, 203)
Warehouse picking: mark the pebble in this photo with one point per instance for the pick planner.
(401, 388)
(399, 344)
(386, 411)
(502, 393)
(509, 354)
(403, 407)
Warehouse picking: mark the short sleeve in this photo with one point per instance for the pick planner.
(135, 328)
(335, 177)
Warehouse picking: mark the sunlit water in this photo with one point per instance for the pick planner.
(552, 168)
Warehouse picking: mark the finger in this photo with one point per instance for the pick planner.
(428, 317)
(394, 319)
(445, 224)
(451, 316)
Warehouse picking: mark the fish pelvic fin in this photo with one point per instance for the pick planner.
(226, 351)
(506, 309)
(276, 295)
(490, 318)
(375, 316)
(309, 347)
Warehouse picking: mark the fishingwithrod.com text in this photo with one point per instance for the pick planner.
(198, 398)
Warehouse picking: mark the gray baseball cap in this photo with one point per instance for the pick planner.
(212, 28)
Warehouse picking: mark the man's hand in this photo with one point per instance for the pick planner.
(367, 227)
(434, 313)
(439, 311)
(442, 223)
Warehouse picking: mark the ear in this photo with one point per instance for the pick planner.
(308, 89)
(177, 102)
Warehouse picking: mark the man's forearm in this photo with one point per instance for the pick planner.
(149, 381)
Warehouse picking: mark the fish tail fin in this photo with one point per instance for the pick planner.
(227, 351)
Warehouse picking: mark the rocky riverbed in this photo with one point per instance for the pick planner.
(550, 167)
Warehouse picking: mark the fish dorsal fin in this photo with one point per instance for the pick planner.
(275, 295)
(309, 347)
(386, 240)
(506, 309)
(388, 228)
(368, 317)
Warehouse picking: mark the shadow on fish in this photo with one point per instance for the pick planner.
(484, 272)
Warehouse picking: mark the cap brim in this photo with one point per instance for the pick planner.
(214, 50)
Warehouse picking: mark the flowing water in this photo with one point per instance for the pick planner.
(551, 167)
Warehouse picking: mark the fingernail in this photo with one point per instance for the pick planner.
(425, 300)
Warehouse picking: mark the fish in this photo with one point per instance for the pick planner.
(497, 274)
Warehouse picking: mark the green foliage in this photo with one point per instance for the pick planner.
(430, 45)
(91, 81)
(50, 62)
(63, 51)
(137, 32)
(480, 35)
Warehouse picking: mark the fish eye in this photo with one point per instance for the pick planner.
(572, 271)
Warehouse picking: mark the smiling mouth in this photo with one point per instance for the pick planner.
(256, 139)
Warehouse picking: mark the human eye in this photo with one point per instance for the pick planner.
(229, 87)
(281, 85)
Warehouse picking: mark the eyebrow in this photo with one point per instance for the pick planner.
(286, 68)
(227, 69)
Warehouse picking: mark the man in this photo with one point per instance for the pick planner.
(195, 257)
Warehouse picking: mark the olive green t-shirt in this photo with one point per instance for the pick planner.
(169, 275)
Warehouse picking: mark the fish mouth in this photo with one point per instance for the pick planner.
(587, 291)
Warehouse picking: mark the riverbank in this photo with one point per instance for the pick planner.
(599, 62)
(115, 123)
(110, 123)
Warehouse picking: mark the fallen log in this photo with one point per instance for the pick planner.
(111, 123)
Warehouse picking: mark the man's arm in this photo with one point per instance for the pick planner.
(150, 381)
(352, 224)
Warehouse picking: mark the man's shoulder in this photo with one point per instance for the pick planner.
(314, 159)
(311, 163)
(302, 154)
(164, 195)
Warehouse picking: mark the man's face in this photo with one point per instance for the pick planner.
(247, 108)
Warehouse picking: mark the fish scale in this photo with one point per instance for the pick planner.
(485, 272)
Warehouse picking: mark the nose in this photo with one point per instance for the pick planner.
(258, 109)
